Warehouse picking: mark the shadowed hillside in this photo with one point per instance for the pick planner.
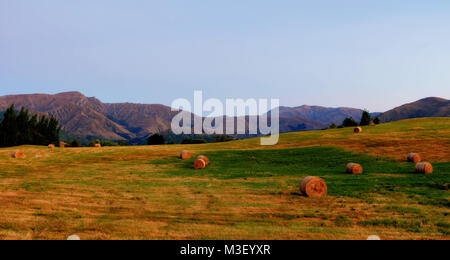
(322, 114)
(427, 107)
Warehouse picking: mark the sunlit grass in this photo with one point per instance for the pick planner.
(248, 191)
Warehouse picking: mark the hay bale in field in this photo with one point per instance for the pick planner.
(357, 130)
(204, 158)
(185, 155)
(51, 146)
(18, 154)
(424, 167)
(414, 157)
(62, 144)
(313, 187)
(73, 238)
(354, 168)
(199, 164)
(98, 146)
(373, 238)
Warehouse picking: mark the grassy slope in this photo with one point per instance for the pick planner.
(246, 193)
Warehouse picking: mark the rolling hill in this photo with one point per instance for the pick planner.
(248, 192)
(427, 107)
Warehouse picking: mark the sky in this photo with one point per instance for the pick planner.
(371, 54)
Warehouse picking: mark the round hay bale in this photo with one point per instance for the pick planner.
(199, 164)
(313, 187)
(185, 155)
(373, 238)
(204, 158)
(73, 238)
(98, 145)
(18, 154)
(357, 130)
(354, 168)
(424, 167)
(62, 144)
(51, 146)
(414, 157)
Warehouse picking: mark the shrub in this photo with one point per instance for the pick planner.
(156, 139)
(109, 143)
(193, 141)
(223, 138)
(377, 120)
(75, 143)
(94, 142)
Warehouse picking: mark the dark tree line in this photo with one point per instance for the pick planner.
(366, 119)
(20, 128)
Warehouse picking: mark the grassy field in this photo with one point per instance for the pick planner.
(248, 191)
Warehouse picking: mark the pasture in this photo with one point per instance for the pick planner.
(247, 192)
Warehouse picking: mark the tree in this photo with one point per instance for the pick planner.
(75, 143)
(94, 142)
(365, 118)
(349, 122)
(333, 126)
(377, 120)
(53, 130)
(22, 128)
(156, 139)
(9, 127)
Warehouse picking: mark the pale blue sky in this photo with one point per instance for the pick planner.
(373, 54)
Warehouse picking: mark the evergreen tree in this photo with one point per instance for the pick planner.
(21, 128)
(32, 124)
(23, 135)
(349, 122)
(9, 127)
(365, 118)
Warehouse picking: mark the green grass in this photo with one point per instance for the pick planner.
(381, 176)
(247, 192)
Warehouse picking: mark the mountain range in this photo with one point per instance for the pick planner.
(88, 118)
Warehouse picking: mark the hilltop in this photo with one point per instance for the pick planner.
(427, 107)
